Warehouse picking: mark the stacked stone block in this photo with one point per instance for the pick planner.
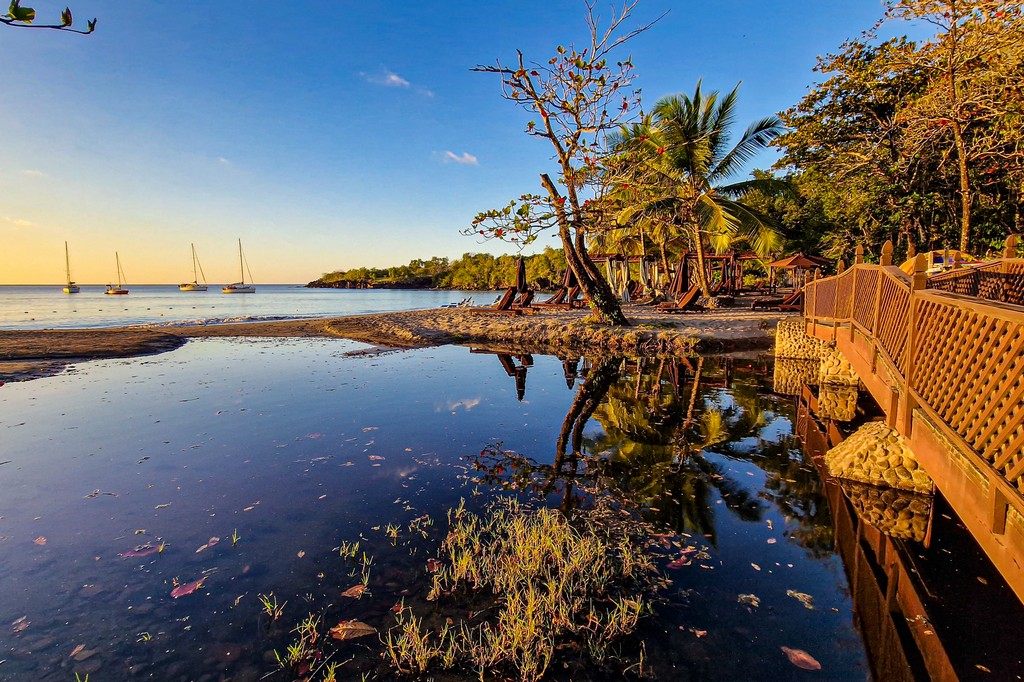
(878, 455)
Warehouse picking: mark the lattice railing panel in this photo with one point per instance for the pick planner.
(844, 295)
(864, 297)
(891, 328)
(968, 366)
(825, 298)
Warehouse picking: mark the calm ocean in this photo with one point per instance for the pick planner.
(47, 307)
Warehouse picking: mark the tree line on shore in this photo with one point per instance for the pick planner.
(473, 271)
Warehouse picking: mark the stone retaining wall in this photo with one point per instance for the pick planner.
(835, 370)
(880, 456)
(837, 402)
(792, 341)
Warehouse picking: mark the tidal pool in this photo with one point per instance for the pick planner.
(248, 463)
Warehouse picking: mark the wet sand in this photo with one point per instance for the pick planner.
(30, 354)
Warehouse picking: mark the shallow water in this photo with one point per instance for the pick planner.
(296, 446)
(47, 307)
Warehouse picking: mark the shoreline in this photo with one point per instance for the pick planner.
(30, 354)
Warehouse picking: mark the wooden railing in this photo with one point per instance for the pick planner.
(948, 370)
(1001, 280)
(958, 358)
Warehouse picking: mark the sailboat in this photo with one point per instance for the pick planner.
(240, 287)
(117, 290)
(194, 285)
(70, 287)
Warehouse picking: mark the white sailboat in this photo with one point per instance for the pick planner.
(119, 289)
(70, 287)
(197, 270)
(240, 287)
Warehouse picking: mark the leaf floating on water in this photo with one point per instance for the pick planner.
(350, 629)
(376, 458)
(76, 650)
(755, 566)
(142, 550)
(163, 506)
(749, 600)
(982, 668)
(20, 624)
(40, 540)
(301, 553)
(354, 592)
(802, 597)
(187, 588)
(801, 659)
(212, 541)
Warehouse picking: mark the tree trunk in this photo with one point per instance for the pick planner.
(597, 291)
(702, 275)
(965, 187)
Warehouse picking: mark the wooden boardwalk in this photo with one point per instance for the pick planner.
(948, 370)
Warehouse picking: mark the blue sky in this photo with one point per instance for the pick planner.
(325, 134)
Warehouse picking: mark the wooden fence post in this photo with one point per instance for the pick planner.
(858, 257)
(886, 258)
(1010, 251)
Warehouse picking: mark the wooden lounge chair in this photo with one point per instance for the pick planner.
(502, 307)
(556, 297)
(685, 303)
(792, 302)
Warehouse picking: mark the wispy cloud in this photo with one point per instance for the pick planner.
(466, 159)
(34, 174)
(224, 162)
(386, 78)
(466, 403)
(19, 222)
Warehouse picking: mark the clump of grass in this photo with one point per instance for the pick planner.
(348, 550)
(271, 607)
(556, 584)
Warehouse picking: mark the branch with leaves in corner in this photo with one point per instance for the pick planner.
(22, 17)
(579, 95)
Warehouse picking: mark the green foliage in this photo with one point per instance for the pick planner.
(473, 271)
(22, 17)
(918, 143)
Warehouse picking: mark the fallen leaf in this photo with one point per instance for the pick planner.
(76, 650)
(376, 458)
(301, 553)
(210, 543)
(802, 597)
(982, 668)
(698, 633)
(433, 565)
(354, 592)
(801, 659)
(20, 624)
(40, 540)
(188, 588)
(165, 505)
(749, 600)
(350, 629)
(755, 567)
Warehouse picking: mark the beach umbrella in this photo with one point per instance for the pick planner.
(521, 275)
(799, 260)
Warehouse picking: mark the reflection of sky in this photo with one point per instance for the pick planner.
(298, 447)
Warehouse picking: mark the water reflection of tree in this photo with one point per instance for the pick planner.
(659, 418)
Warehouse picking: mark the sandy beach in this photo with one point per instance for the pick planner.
(28, 354)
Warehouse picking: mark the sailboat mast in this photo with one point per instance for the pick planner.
(195, 274)
(241, 265)
(67, 262)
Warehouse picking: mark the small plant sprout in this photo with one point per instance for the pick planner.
(144, 637)
(392, 532)
(348, 550)
(235, 537)
(271, 607)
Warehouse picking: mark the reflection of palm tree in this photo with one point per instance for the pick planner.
(650, 453)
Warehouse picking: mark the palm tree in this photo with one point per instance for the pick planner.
(675, 162)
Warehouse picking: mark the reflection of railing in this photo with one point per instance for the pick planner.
(955, 362)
